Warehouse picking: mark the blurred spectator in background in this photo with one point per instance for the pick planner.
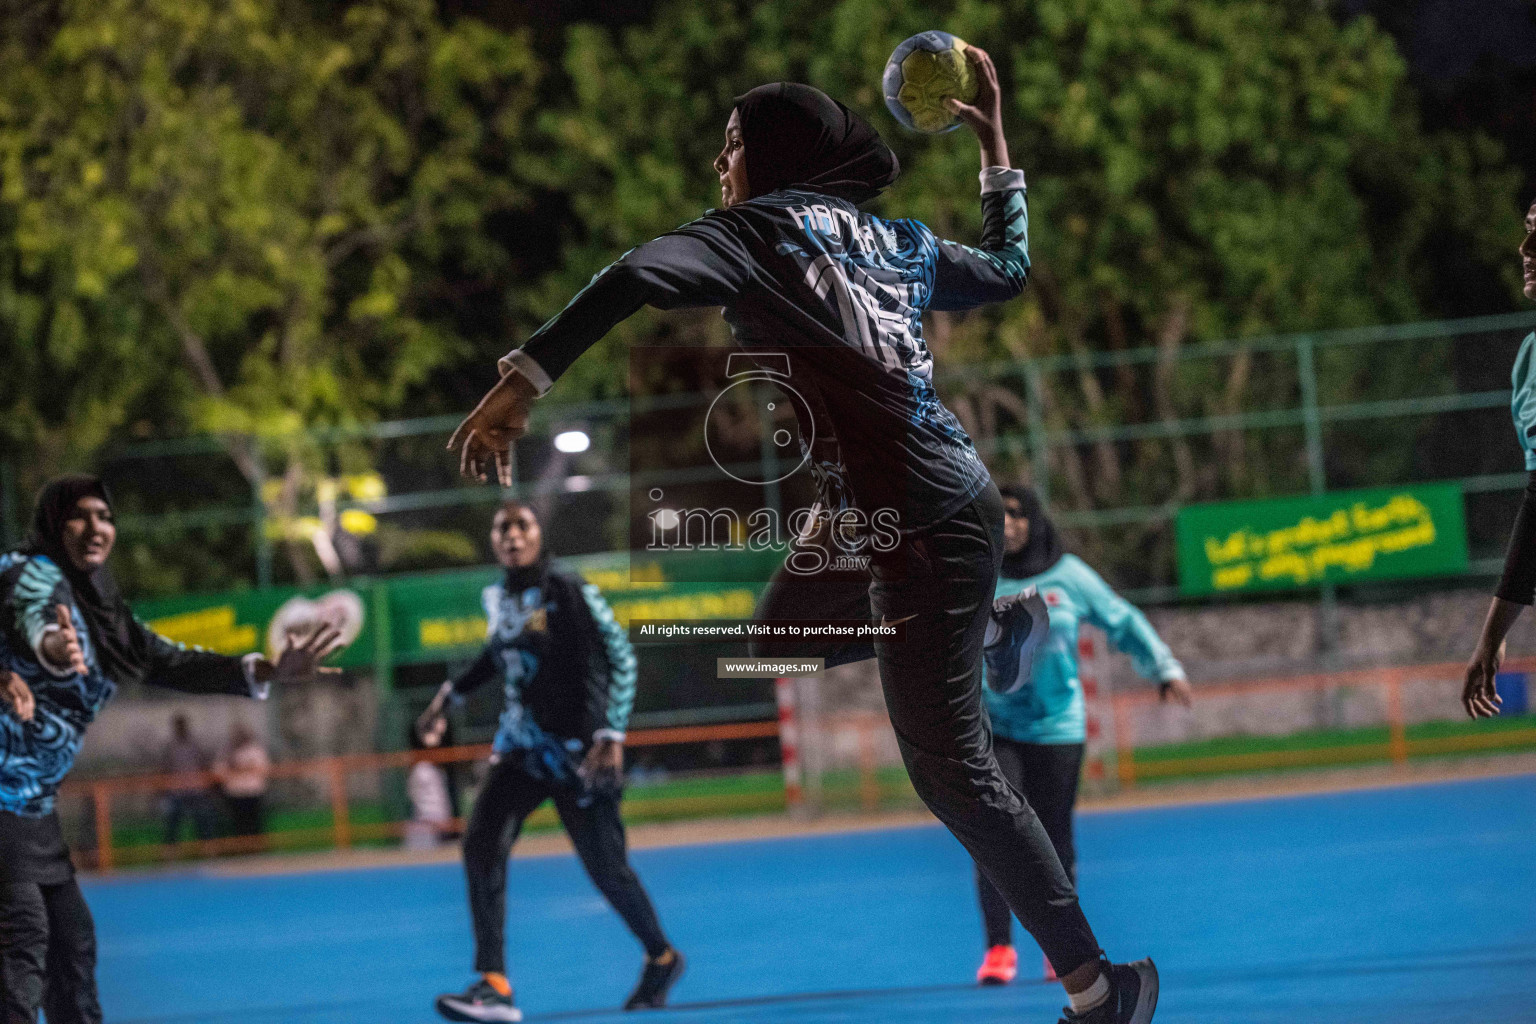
(183, 756)
(242, 770)
(432, 809)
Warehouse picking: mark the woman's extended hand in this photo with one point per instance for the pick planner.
(61, 646)
(984, 116)
(486, 435)
(1479, 694)
(1177, 690)
(15, 689)
(300, 660)
(603, 767)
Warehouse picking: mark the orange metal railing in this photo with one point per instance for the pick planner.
(332, 772)
(1397, 749)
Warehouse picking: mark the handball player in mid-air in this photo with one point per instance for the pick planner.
(799, 268)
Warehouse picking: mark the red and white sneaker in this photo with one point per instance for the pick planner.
(1050, 972)
(1000, 966)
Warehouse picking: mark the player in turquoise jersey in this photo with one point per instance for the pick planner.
(1039, 727)
(1517, 588)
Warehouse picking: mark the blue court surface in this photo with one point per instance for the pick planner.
(1390, 906)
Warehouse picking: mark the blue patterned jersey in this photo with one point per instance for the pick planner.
(565, 665)
(35, 756)
(840, 293)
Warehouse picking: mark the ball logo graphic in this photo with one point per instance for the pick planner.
(753, 429)
(299, 616)
(923, 72)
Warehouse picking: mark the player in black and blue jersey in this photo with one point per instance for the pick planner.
(567, 674)
(68, 641)
(799, 268)
(1517, 587)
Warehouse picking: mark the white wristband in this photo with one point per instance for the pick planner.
(260, 691)
(1001, 179)
(42, 659)
(522, 363)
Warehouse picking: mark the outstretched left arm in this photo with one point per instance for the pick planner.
(1130, 632)
(191, 670)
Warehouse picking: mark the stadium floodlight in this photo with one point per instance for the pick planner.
(572, 441)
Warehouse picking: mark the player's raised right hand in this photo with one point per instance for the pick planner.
(984, 115)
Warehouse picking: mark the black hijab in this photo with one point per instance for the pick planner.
(800, 137)
(1043, 549)
(121, 651)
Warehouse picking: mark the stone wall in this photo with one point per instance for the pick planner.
(1231, 643)
(1285, 637)
(1216, 643)
(332, 716)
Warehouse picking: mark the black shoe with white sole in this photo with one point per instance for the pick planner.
(1022, 621)
(1132, 996)
(479, 1002)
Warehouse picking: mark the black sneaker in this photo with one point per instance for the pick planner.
(656, 979)
(1132, 996)
(479, 1002)
(1024, 622)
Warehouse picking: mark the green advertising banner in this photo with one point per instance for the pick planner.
(257, 620)
(430, 616)
(1342, 537)
(440, 616)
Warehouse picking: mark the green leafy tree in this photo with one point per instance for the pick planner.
(1198, 171)
(244, 219)
(254, 218)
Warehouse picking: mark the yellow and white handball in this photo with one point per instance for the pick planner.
(925, 71)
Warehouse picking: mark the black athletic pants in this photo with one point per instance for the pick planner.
(1046, 776)
(247, 816)
(597, 832)
(940, 583)
(47, 954)
(195, 805)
